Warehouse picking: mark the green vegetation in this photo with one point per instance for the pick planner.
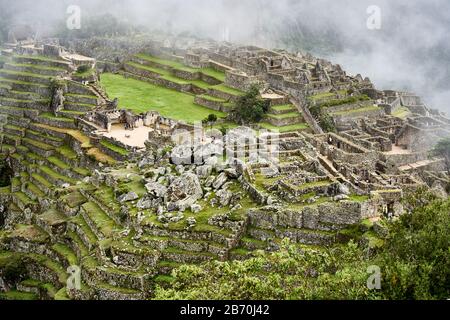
(140, 97)
(348, 100)
(323, 117)
(115, 148)
(250, 108)
(359, 110)
(413, 257)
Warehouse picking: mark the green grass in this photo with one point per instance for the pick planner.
(356, 111)
(24, 74)
(37, 67)
(66, 252)
(67, 152)
(50, 116)
(219, 75)
(38, 144)
(57, 162)
(18, 295)
(38, 58)
(140, 96)
(289, 128)
(169, 63)
(284, 107)
(56, 175)
(100, 218)
(115, 148)
(226, 89)
(42, 180)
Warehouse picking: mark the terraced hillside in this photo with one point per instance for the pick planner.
(172, 88)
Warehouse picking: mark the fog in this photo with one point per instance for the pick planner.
(409, 52)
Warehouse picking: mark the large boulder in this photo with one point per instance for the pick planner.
(220, 181)
(156, 189)
(182, 154)
(130, 196)
(184, 191)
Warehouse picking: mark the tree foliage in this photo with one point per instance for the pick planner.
(323, 118)
(250, 108)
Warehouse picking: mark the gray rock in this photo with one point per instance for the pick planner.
(341, 197)
(224, 197)
(130, 196)
(196, 208)
(220, 181)
(146, 161)
(179, 169)
(204, 171)
(209, 181)
(184, 191)
(212, 161)
(181, 154)
(144, 204)
(343, 189)
(156, 189)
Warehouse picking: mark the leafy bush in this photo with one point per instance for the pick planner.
(250, 108)
(83, 69)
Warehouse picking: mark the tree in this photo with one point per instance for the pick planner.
(442, 149)
(210, 119)
(250, 107)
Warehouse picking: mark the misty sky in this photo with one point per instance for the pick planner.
(411, 51)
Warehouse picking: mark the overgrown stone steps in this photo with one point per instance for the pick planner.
(84, 232)
(77, 245)
(79, 107)
(90, 100)
(14, 130)
(54, 177)
(70, 114)
(23, 95)
(41, 61)
(185, 256)
(45, 291)
(160, 243)
(11, 139)
(44, 138)
(24, 104)
(106, 291)
(66, 255)
(59, 122)
(25, 86)
(18, 121)
(40, 148)
(25, 77)
(33, 191)
(35, 69)
(42, 183)
(22, 200)
(99, 222)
